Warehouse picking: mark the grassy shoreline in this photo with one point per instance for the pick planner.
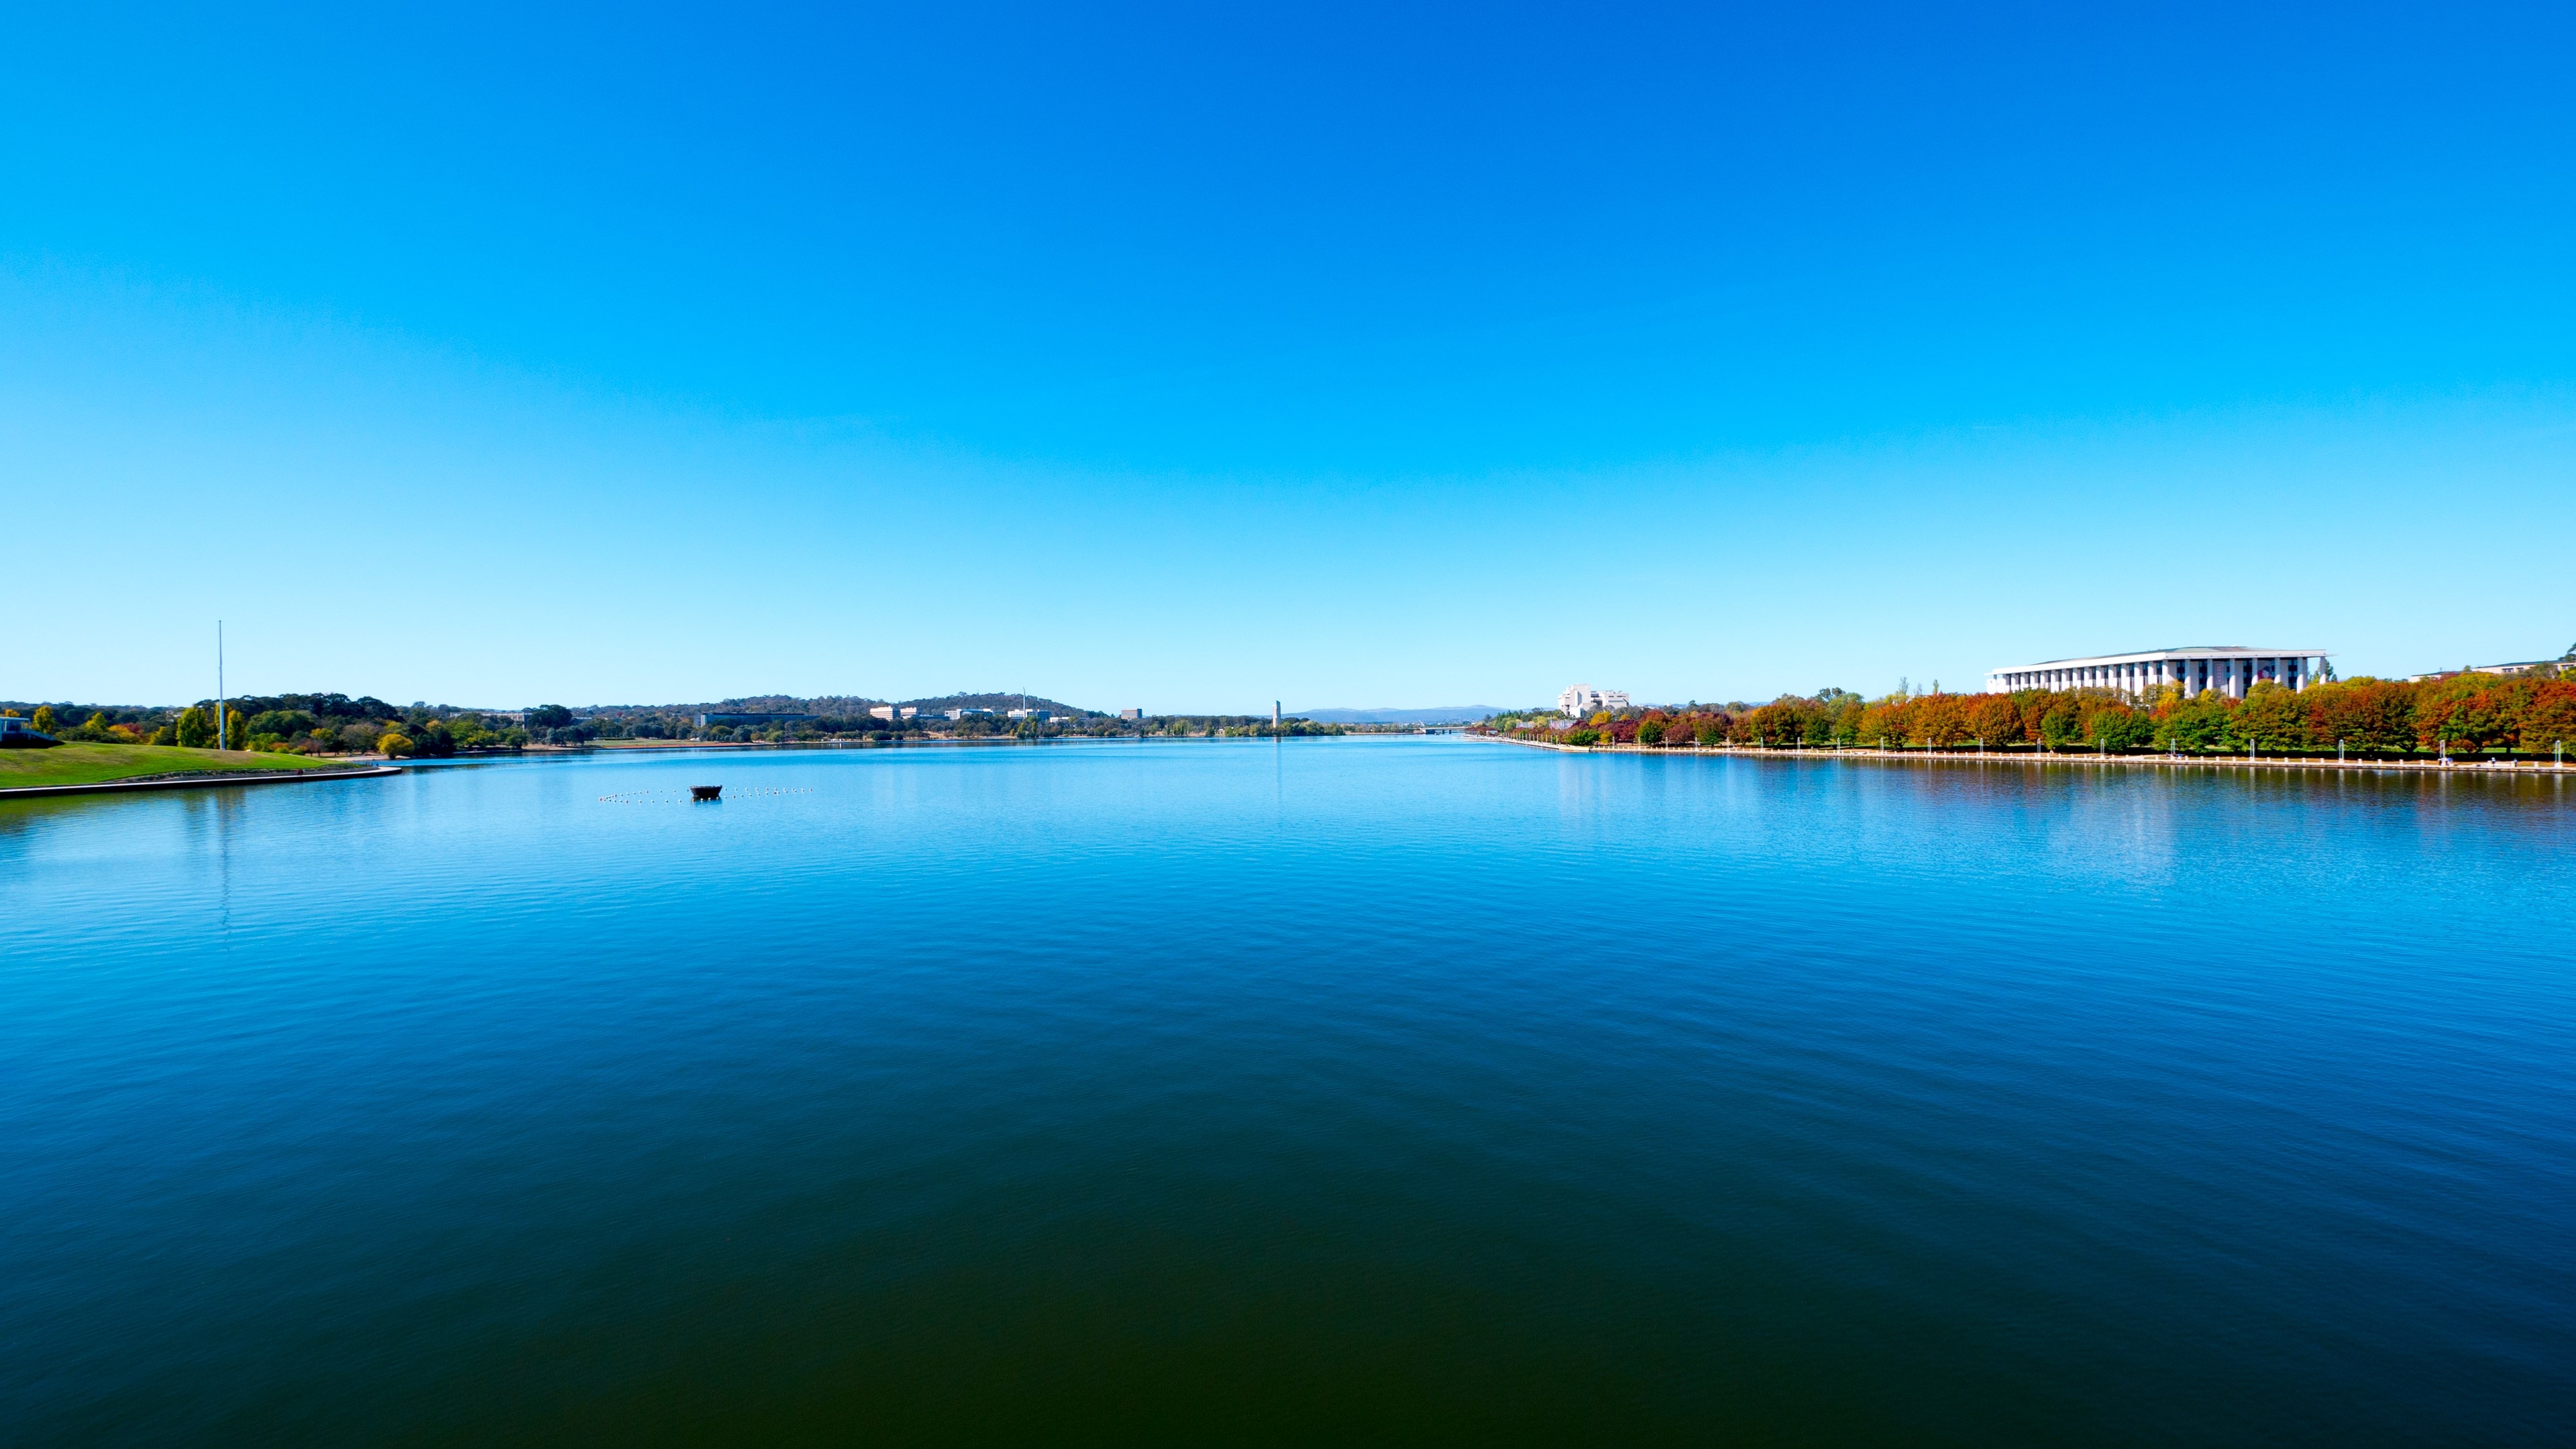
(91, 764)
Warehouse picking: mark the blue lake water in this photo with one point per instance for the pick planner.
(1318, 1090)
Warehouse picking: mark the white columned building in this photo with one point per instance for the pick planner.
(1583, 699)
(2231, 669)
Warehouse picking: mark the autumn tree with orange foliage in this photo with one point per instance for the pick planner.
(2532, 713)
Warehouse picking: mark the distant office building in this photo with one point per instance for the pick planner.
(882, 711)
(2563, 662)
(1583, 699)
(1131, 714)
(1028, 714)
(2231, 669)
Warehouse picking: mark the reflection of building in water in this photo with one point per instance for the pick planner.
(1583, 699)
(2231, 669)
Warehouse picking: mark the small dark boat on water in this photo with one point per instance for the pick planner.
(705, 792)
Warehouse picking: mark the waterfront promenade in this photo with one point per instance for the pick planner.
(1969, 754)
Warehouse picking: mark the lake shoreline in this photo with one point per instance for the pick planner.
(2238, 762)
(193, 782)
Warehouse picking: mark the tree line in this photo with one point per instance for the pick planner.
(306, 724)
(1095, 726)
(2534, 713)
(331, 724)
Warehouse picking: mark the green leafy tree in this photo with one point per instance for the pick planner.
(196, 728)
(2199, 723)
(44, 721)
(2271, 718)
(392, 745)
(236, 733)
(2120, 728)
(1847, 712)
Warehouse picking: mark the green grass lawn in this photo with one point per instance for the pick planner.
(77, 764)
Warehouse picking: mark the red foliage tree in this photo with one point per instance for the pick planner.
(2549, 718)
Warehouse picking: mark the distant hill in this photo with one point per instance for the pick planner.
(998, 701)
(1435, 714)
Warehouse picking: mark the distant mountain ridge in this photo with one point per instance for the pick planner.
(1434, 714)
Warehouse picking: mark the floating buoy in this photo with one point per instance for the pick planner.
(705, 792)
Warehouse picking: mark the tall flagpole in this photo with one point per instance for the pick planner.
(219, 685)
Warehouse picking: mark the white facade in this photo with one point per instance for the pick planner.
(2231, 669)
(1583, 699)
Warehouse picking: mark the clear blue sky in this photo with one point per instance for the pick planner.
(1202, 356)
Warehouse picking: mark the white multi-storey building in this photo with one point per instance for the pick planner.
(1583, 699)
(2231, 669)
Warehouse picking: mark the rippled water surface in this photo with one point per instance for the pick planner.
(1323, 1090)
